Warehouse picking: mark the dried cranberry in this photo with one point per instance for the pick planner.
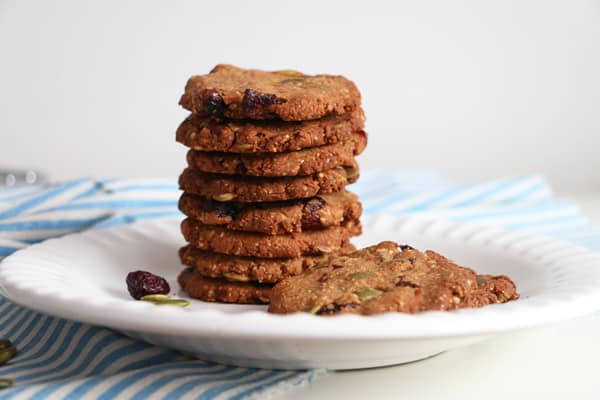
(142, 283)
(402, 283)
(333, 308)
(253, 99)
(363, 134)
(212, 102)
(221, 209)
(241, 169)
(310, 219)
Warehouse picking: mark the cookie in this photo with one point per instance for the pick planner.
(245, 269)
(274, 218)
(296, 163)
(208, 289)
(388, 277)
(289, 95)
(257, 189)
(249, 244)
(240, 136)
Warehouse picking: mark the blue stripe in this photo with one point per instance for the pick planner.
(121, 385)
(119, 353)
(90, 192)
(49, 344)
(36, 318)
(26, 347)
(163, 357)
(51, 224)
(50, 194)
(7, 251)
(156, 384)
(541, 186)
(158, 186)
(129, 218)
(24, 315)
(90, 358)
(115, 204)
(503, 185)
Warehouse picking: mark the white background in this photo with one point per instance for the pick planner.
(471, 89)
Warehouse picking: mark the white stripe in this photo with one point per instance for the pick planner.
(62, 215)
(18, 191)
(63, 197)
(49, 354)
(142, 196)
(104, 386)
(14, 320)
(24, 325)
(12, 243)
(543, 193)
(141, 384)
(95, 339)
(37, 234)
(265, 384)
(163, 391)
(123, 183)
(113, 346)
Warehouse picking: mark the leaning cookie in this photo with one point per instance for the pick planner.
(249, 244)
(274, 218)
(295, 163)
(213, 290)
(257, 189)
(385, 278)
(288, 95)
(245, 269)
(242, 136)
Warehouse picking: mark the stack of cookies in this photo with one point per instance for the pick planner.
(265, 192)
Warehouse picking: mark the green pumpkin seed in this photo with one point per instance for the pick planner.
(162, 299)
(7, 354)
(314, 309)
(361, 275)
(367, 293)
(481, 281)
(155, 297)
(4, 383)
(235, 277)
(5, 343)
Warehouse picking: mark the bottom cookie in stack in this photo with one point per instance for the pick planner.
(213, 276)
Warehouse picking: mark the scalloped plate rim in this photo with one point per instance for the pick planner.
(304, 326)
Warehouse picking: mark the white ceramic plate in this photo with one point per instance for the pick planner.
(82, 277)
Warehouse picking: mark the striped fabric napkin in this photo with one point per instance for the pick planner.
(63, 359)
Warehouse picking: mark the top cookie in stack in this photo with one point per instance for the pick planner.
(264, 191)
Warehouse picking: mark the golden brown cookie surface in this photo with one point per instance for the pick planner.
(247, 137)
(235, 92)
(258, 189)
(388, 277)
(295, 163)
(274, 218)
(250, 244)
(245, 269)
(207, 289)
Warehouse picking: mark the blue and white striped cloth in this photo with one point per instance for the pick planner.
(63, 359)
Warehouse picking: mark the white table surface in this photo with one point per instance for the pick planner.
(554, 362)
